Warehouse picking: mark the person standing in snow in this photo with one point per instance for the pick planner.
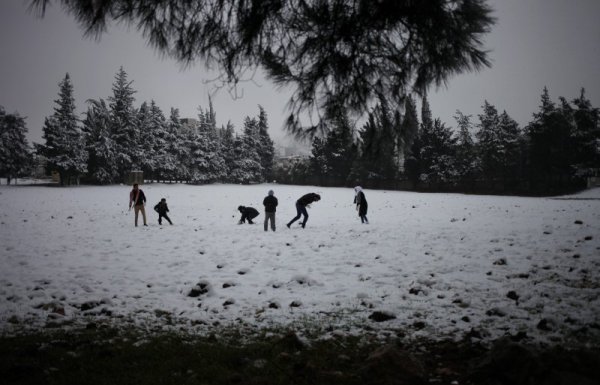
(270, 203)
(361, 204)
(162, 209)
(301, 205)
(248, 213)
(137, 199)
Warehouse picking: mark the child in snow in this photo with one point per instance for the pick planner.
(270, 203)
(248, 213)
(301, 204)
(361, 204)
(162, 209)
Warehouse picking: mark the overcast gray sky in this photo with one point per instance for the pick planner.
(535, 43)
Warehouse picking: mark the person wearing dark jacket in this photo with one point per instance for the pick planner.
(301, 204)
(361, 204)
(248, 213)
(162, 209)
(137, 199)
(270, 203)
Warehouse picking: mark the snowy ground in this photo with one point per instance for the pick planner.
(442, 264)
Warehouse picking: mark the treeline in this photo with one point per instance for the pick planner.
(115, 138)
(555, 152)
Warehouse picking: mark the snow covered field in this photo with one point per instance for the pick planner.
(444, 265)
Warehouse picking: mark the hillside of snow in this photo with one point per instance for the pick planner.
(434, 265)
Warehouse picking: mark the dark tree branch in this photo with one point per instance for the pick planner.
(331, 52)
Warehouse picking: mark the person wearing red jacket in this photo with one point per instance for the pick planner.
(137, 199)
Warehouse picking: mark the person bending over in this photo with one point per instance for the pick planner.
(301, 205)
(248, 214)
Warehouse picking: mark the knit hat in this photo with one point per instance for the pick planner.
(271, 192)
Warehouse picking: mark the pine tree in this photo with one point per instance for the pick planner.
(426, 115)
(145, 140)
(171, 167)
(153, 141)
(266, 148)
(377, 162)
(124, 127)
(227, 139)
(389, 125)
(437, 154)
(467, 163)
(549, 137)
(413, 163)
(100, 145)
(499, 145)
(488, 142)
(318, 158)
(340, 149)
(585, 136)
(15, 155)
(333, 156)
(409, 130)
(247, 167)
(208, 163)
(64, 149)
(510, 136)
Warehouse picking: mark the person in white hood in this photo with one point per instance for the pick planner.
(361, 204)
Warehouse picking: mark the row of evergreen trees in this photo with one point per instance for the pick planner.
(115, 138)
(554, 152)
(559, 147)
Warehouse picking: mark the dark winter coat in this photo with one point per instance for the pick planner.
(248, 213)
(270, 203)
(308, 199)
(161, 208)
(141, 198)
(361, 201)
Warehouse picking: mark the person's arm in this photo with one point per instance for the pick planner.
(130, 198)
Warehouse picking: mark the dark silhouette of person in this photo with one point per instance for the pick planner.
(301, 205)
(270, 203)
(162, 209)
(248, 214)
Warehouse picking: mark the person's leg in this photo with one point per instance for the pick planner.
(273, 221)
(305, 213)
(298, 213)
(136, 210)
(143, 209)
(266, 221)
(167, 218)
(160, 218)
